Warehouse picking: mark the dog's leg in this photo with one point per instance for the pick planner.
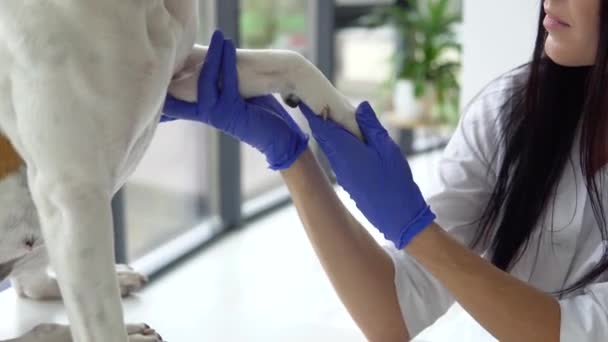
(76, 222)
(274, 71)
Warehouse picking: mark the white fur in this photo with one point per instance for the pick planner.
(81, 89)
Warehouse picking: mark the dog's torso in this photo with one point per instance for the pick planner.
(141, 43)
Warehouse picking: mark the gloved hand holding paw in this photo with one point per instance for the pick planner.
(375, 174)
(260, 122)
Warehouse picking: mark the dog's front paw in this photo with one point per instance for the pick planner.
(129, 280)
(142, 333)
(334, 107)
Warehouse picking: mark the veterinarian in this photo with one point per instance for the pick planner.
(515, 234)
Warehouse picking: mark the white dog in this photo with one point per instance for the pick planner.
(82, 83)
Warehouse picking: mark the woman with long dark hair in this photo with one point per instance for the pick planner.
(517, 233)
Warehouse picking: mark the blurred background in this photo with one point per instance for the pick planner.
(214, 228)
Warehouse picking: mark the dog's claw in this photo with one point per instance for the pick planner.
(325, 112)
(292, 100)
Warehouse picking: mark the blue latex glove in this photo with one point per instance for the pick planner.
(375, 174)
(259, 122)
(165, 118)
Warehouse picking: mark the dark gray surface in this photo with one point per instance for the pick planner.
(229, 154)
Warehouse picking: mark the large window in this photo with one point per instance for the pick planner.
(169, 191)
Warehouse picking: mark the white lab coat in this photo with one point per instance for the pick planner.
(562, 257)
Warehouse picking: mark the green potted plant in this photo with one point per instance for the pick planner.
(427, 58)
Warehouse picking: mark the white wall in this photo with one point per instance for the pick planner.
(497, 35)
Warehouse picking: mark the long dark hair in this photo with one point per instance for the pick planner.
(541, 119)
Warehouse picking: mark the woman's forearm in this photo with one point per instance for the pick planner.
(508, 308)
(359, 269)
